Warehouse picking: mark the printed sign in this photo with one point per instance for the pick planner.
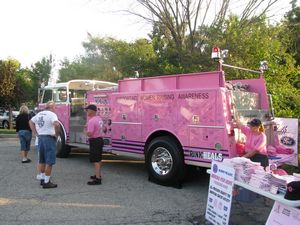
(219, 194)
(285, 144)
(282, 214)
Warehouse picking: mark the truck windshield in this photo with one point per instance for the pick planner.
(57, 95)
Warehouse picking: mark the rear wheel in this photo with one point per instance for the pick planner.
(62, 150)
(164, 161)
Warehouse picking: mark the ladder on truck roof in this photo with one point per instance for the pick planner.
(84, 85)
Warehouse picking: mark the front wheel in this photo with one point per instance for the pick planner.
(164, 161)
(62, 150)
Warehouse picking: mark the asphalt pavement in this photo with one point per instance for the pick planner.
(125, 197)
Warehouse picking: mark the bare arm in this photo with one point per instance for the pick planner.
(250, 154)
(89, 134)
(238, 123)
(261, 144)
(32, 127)
(57, 128)
(17, 124)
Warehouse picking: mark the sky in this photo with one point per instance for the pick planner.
(32, 29)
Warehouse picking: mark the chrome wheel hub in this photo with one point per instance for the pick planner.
(58, 143)
(162, 161)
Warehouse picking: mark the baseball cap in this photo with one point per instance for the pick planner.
(293, 191)
(91, 107)
(255, 123)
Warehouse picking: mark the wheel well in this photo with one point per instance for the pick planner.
(161, 133)
(63, 129)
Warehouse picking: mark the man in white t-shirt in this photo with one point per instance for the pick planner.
(45, 124)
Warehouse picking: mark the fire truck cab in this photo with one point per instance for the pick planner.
(70, 99)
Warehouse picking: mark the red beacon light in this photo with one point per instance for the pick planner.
(216, 53)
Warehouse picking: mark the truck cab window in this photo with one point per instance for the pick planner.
(47, 96)
(77, 98)
(60, 95)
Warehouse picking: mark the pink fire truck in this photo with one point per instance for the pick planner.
(170, 121)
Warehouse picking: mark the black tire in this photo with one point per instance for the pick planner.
(5, 124)
(164, 161)
(62, 150)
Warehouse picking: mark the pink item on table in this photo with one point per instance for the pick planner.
(271, 150)
(283, 150)
(280, 172)
(240, 149)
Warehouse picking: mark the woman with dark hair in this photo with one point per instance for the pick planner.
(24, 132)
(256, 151)
(256, 142)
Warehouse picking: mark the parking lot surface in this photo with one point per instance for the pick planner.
(125, 197)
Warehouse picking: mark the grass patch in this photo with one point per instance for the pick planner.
(7, 131)
(292, 169)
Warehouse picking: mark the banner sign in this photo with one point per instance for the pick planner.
(285, 142)
(282, 215)
(219, 194)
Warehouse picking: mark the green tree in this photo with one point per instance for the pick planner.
(16, 85)
(40, 73)
(8, 71)
(26, 88)
(167, 54)
(291, 29)
(260, 41)
(88, 67)
(124, 57)
(110, 59)
(176, 35)
(12, 92)
(41, 70)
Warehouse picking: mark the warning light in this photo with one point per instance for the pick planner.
(215, 49)
(216, 53)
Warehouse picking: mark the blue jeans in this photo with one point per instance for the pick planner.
(47, 149)
(25, 139)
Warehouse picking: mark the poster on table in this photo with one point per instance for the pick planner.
(283, 148)
(282, 214)
(219, 194)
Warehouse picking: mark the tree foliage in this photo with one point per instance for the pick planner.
(8, 81)
(20, 85)
(181, 40)
(176, 25)
(7, 76)
(110, 59)
(255, 42)
(41, 71)
(292, 31)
